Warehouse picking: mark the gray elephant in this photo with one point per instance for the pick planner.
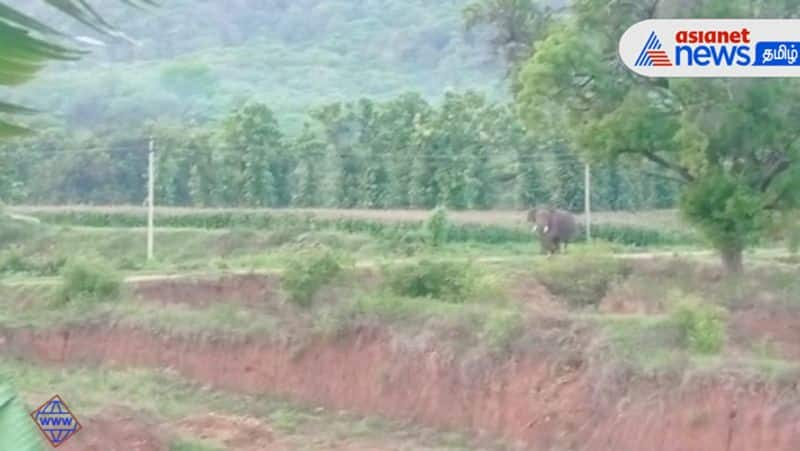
(554, 228)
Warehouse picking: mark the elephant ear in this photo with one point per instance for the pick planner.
(17, 431)
(532, 215)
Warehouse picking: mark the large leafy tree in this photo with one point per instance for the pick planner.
(732, 143)
(259, 165)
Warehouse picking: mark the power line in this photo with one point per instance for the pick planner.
(388, 157)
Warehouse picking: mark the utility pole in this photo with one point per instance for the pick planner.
(151, 174)
(587, 202)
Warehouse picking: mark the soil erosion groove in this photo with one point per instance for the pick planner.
(525, 399)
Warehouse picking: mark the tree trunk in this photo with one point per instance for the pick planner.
(732, 259)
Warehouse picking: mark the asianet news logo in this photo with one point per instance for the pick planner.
(713, 48)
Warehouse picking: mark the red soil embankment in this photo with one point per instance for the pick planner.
(524, 399)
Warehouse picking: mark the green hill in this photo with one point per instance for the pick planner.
(195, 59)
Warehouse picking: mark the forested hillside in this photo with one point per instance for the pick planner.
(375, 103)
(198, 58)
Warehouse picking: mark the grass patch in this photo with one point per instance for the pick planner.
(500, 329)
(14, 263)
(383, 229)
(483, 325)
(648, 343)
(13, 230)
(692, 331)
(192, 445)
(581, 279)
(221, 319)
(30, 306)
(82, 281)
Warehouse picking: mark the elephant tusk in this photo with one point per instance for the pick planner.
(546, 228)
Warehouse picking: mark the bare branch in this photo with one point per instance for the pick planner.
(664, 176)
(659, 160)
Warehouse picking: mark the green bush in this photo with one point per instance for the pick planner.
(447, 281)
(309, 271)
(437, 227)
(580, 279)
(84, 281)
(701, 326)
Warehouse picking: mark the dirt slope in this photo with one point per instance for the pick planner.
(524, 399)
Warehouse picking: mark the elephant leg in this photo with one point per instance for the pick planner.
(546, 245)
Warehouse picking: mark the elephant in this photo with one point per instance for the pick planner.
(554, 228)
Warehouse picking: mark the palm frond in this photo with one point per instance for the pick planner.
(18, 430)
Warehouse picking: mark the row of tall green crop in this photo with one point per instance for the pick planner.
(404, 231)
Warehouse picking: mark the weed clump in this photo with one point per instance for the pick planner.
(581, 280)
(437, 227)
(500, 328)
(447, 281)
(309, 271)
(701, 326)
(14, 263)
(84, 281)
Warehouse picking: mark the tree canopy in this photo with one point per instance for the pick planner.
(731, 142)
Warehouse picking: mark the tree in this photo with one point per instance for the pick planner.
(396, 136)
(259, 166)
(309, 149)
(375, 183)
(342, 129)
(732, 143)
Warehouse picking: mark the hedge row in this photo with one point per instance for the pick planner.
(404, 231)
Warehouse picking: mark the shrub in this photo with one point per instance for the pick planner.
(448, 281)
(84, 281)
(309, 271)
(580, 279)
(437, 227)
(701, 326)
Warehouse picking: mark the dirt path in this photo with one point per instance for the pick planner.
(363, 264)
